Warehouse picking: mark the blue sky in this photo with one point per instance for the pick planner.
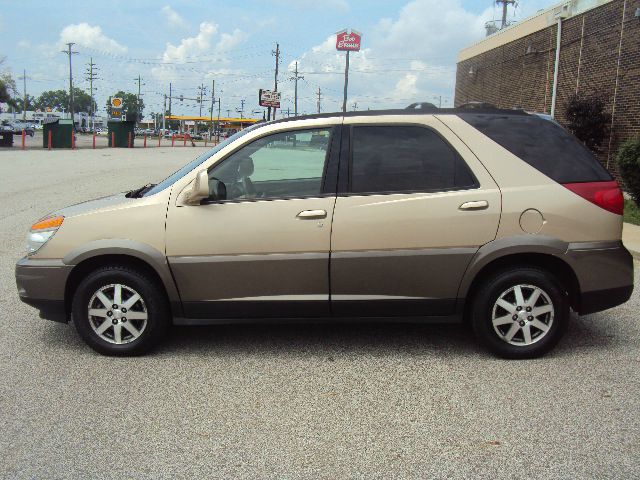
(409, 48)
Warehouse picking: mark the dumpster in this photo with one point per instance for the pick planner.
(6, 139)
(121, 133)
(61, 133)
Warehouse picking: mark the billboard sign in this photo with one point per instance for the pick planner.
(269, 98)
(116, 102)
(348, 42)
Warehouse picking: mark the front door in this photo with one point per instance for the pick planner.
(416, 208)
(264, 251)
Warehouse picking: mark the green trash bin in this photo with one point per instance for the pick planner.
(122, 134)
(61, 132)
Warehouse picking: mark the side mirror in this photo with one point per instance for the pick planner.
(200, 189)
(217, 189)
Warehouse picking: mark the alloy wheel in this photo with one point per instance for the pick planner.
(522, 315)
(117, 313)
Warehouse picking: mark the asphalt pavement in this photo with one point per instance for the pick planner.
(303, 401)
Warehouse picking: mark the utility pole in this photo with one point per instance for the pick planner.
(169, 100)
(69, 52)
(201, 93)
(241, 110)
(138, 112)
(319, 97)
(275, 52)
(295, 79)
(228, 113)
(91, 76)
(505, 4)
(213, 100)
(164, 114)
(355, 106)
(218, 128)
(24, 95)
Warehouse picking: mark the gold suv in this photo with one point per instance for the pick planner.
(498, 218)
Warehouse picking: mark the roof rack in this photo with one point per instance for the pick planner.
(478, 108)
(422, 106)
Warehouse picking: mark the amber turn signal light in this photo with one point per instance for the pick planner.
(48, 223)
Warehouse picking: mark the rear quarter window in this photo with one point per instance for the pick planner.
(543, 144)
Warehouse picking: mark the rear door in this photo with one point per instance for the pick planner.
(414, 206)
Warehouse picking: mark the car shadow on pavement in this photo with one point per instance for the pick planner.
(366, 338)
(329, 339)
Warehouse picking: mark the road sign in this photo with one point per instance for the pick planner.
(348, 42)
(269, 98)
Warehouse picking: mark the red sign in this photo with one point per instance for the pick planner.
(348, 41)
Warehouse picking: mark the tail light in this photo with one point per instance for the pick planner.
(606, 195)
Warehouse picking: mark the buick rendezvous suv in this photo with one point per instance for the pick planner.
(497, 218)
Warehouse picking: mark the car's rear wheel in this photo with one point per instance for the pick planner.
(120, 311)
(520, 312)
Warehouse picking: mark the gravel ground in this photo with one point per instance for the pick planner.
(339, 401)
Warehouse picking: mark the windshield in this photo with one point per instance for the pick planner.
(175, 176)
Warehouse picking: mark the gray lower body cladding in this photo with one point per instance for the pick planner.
(605, 274)
(41, 284)
(362, 284)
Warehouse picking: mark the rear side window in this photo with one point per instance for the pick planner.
(543, 144)
(405, 159)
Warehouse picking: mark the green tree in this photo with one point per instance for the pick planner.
(130, 104)
(55, 99)
(7, 89)
(59, 99)
(587, 119)
(30, 103)
(628, 159)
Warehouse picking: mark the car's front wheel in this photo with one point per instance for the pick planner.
(520, 312)
(120, 311)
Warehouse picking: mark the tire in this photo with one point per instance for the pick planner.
(520, 312)
(108, 330)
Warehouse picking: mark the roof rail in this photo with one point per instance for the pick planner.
(422, 106)
(478, 105)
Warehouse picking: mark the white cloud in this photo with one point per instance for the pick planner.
(337, 5)
(407, 58)
(191, 45)
(89, 36)
(230, 40)
(24, 44)
(173, 18)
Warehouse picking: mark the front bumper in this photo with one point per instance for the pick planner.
(41, 284)
(605, 274)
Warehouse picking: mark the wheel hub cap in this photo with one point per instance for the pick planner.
(117, 313)
(522, 315)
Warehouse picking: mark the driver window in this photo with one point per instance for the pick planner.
(282, 165)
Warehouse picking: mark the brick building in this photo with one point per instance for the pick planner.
(599, 55)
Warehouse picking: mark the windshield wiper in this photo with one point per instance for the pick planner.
(138, 192)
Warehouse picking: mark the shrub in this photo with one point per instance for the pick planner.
(628, 159)
(587, 119)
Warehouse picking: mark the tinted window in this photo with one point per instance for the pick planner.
(543, 144)
(286, 164)
(405, 158)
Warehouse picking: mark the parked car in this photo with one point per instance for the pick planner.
(17, 129)
(499, 219)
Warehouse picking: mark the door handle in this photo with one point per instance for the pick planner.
(477, 205)
(312, 214)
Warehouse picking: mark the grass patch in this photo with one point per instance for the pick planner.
(631, 212)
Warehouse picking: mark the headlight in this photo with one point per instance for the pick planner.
(41, 232)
